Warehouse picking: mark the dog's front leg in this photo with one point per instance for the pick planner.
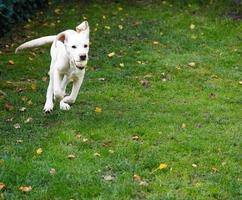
(64, 103)
(58, 93)
(49, 96)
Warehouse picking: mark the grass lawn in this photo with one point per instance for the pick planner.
(175, 99)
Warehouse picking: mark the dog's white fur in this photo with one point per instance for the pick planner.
(68, 62)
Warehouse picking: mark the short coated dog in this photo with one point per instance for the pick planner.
(69, 56)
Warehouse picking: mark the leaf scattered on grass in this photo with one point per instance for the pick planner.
(145, 83)
(120, 8)
(137, 178)
(143, 183)
(155, 42)
(97, 154)
(240, 82)
(25, 188)
(2, 186)
(192, 64)
(52, 171)
(108, 178)
(28, 120)
(101, 79)
(84, 140)
(19, 141)
(120, 27)
(162, 166)
(111, 54)
(8, 106)
(107, 27)
(71, 156)
(23, 109)
(98, 110)
(111, 151)
(33, 86)
(11, 62)
(135, 137)
(121, 65)
(192, 26)
(17, 125)
(184, 125)
(194, 165)
(39, 151)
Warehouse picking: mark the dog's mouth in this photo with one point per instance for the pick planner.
(80, 65)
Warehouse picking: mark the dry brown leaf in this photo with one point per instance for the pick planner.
(25, 188)
(137, 178)
(145, 83)
(8, 106)
(2, 186)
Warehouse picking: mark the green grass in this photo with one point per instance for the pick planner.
(206, 98)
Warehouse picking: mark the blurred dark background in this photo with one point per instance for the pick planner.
(13, 12)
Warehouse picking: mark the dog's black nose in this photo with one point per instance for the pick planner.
(83, 57)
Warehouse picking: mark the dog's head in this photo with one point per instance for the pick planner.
(76, 44)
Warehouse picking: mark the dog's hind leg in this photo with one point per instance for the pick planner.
(49, 95)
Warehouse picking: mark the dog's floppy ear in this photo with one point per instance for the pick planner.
(83, 27)
(61, 37)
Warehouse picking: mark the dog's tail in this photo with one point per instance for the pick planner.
(36, 43)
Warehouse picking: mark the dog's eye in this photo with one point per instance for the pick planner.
(74, 46)
(85, 45)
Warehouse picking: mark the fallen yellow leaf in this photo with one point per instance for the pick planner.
(11, 62)
(39, 151)
(120, 27)
(192, 26)
(71, 156)
(25, 188)
(162, 166)
(183, 125)
(192, 64)
(97, 154)
(120, 8)
(107, 27)
(98, 109)
(155, 42)
(121, 65)
(111, 54)
(33, 86)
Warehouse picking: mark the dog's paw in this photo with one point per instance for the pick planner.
(68, 99)
(48, 107)
(64, 106)
(58, 95)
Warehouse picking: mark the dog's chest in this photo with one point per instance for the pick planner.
(74, 73)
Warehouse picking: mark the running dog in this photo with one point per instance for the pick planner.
(69, 56)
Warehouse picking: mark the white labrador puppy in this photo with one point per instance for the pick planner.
(69, 56)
